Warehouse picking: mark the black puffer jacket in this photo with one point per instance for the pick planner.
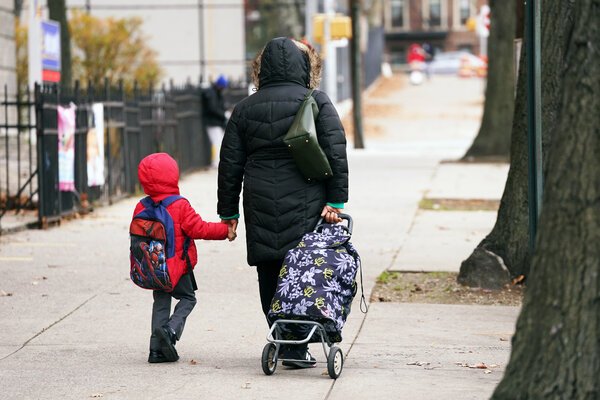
(279, 205)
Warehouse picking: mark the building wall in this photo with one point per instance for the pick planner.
(174, 32)
(8, 75)
(225, 38)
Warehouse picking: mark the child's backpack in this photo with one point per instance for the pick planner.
(152, 247)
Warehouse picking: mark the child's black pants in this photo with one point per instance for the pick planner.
(161, 309)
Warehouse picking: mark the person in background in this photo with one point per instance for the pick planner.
(429, 55)
(215, 116)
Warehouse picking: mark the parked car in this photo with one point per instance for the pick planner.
(459, 63)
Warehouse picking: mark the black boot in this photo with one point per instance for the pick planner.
(156, 356)
(167, 338)
(299, 357)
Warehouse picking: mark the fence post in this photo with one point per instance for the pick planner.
(39, 128)
(108, 147)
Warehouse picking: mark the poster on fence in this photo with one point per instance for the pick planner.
(95, 147)
(66, 148)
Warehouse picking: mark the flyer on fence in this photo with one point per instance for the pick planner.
(95, 147)
(66, 148)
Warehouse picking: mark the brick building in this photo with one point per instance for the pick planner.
(442, 23)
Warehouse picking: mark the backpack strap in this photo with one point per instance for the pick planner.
(166, 202)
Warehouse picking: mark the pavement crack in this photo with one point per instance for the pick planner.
(48, 327)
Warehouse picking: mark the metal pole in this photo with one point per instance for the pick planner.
(330, 53)
(310, 11)
(534, 114)
(201, 38)
(356, 64)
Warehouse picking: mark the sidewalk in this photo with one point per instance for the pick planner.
(75, 327)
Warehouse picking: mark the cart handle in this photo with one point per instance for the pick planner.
(347, 217)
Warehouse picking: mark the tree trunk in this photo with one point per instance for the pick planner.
(504, 253)
(58, 12)
(493, 139)
(556, 351)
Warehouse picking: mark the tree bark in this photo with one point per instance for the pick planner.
(58, 12)
(493, 139)
(556, 351)
(504, 253)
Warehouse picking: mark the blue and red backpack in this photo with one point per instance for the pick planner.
(152, 247)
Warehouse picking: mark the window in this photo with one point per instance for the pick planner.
(397, 13)
(435, 13)
(464, 11)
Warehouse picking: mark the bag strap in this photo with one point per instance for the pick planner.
(364, 307)
(315, 108)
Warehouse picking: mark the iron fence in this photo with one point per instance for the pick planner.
(18, 183)
(135, 123)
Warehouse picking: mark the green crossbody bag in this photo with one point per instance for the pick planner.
(301, 140)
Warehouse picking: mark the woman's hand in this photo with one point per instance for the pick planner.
(330, 214)
(231, 228)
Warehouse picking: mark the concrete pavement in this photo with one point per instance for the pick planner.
(75, 327)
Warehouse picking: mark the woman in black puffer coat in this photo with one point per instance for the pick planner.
(279, 204)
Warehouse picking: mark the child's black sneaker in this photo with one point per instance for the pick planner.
(167, 339)
(157, 357)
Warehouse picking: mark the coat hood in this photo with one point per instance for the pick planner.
(282, 60)
(159, 175)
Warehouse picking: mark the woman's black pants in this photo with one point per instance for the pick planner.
(268, 273)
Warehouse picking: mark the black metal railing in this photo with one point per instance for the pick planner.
(135, 123)
(18, 183)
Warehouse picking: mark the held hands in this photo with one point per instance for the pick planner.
(231, 228)
(330, 214)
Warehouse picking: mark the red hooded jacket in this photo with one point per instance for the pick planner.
(159, 175)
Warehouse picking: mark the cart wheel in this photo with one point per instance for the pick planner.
(269, 364)
(335, 362)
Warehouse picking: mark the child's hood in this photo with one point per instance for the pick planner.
(159, 175)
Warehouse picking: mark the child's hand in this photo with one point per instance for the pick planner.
(231, 235)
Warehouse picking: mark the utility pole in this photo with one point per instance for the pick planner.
(534, 113)
(356, 65)
(330, 53)
(310, 11)
(201, 39)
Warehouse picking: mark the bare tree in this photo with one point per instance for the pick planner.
(504, 253)
(556, 350)
(493, 139)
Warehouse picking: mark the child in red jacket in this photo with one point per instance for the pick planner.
(159, 175)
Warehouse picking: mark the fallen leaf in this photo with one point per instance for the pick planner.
(96, 395)
(5, 294)
(518, 279)
(478, 366)
(503, 339)
(193, 362)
